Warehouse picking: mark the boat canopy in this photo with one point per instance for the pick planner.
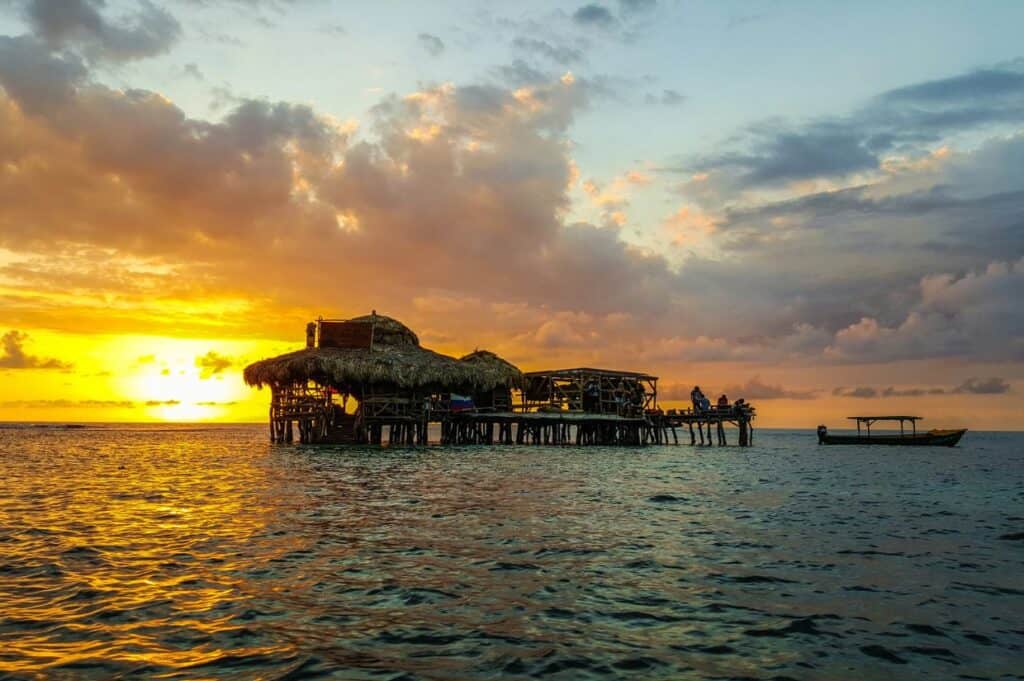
(869, 420)
(885, 418)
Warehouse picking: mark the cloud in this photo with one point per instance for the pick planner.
(637, 6)
(79, 24)
(257, 211)
(192, 70)
(983, 84)
(988, 386)
(912, 392)
(431, 43)
(974, 386)
(594, 15)
(15, 357)
(212, 364)
(774, 153)
(780, 156)
(161, 403)
(755, 389)
(666, 98)
(560, 54)
(69, 404)
(976, 315)
(863, 392)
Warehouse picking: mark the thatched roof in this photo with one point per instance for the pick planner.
(501, 371)
(396, 358)
(388, 331)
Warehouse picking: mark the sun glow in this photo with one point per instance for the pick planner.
(172, 382)
(133, 378)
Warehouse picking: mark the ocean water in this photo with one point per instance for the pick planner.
(178, 552)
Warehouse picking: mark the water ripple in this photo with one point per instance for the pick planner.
(196, 553)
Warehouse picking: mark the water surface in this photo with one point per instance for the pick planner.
(175, 552)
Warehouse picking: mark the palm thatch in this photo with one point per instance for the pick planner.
(388, 331)
(396, 359)
(499, 371)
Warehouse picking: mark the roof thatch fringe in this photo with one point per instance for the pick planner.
(498, 370)
(395, 359)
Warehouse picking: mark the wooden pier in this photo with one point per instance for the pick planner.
(368, 381)
(580, 429)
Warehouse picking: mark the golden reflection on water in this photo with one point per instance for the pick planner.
(129, 553)
(208, 553)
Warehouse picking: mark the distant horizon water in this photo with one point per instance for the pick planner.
(730, 430)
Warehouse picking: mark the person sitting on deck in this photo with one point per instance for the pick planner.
(639, 398)
(723, 401)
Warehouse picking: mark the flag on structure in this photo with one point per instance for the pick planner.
(461, 403)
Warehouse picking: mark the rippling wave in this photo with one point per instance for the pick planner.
(198, 553)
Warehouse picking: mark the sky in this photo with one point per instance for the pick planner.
(815, 206)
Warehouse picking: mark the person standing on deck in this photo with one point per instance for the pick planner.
(620, 398)
(697, 398)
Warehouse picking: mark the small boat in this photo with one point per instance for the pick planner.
(931, 438)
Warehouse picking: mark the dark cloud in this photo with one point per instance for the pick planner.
(755, 389)
(161, 403)
(779, 157)
(212, 364)
(431, 43)
(560, 54)
(863, 392)
(984, 84)
(15, 357)
(912, 392)
(37, 79)
(914, 116)
(973, 386)
(594, 15)
(988, 386)
(79, 24)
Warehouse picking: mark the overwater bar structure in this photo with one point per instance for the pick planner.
(368, 380)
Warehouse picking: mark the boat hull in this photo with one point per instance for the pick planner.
(935, 438)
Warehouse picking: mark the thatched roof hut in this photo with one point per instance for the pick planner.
(395, 358)
(501, 371)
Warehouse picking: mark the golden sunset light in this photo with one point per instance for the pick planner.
(487, 210)
(575, 339)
